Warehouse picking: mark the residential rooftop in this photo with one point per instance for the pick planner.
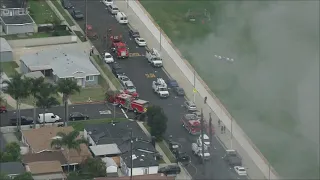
(19, 19)
(44, 167)
(140, 177)
(11, 4)
(45, 156)
(4, 45)
(12, 168)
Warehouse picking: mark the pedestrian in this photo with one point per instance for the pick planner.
(219, 122)
(205, 100)
(92, 49)
(224, 129)
(221, 129)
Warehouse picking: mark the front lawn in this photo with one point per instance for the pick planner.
(41, 12)
(9, 68)
(29, 100)
(79, 125)
(94, 93)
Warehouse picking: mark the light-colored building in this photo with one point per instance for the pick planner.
(14, 17)
(60, 63)
(6, 53)
(46, 170)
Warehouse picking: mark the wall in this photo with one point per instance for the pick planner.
(86, 136)
(23, 68)
(19, 29)
(6, 56)
(43, 41)
(92, 83)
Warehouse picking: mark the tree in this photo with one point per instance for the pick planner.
(11, 153)
(74, 176)
(18, 88)
(34, 90)
(67, 87)
(24, 176)
(69, 141)
(93, 167)
(4, 176)
(157, 121)
(44, 97)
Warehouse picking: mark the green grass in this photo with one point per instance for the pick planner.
(108, 72)
(29, 100)
(79, 125)
(63, 12)
(9, 68)
(95, 94)
(80, 36)
(41, 12)
(163, 146)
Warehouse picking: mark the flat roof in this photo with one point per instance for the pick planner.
(4, 45)
(5, 4)
(105, 149)
(17, 20)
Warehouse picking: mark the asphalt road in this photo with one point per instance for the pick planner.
(94, 111)
(142, 75)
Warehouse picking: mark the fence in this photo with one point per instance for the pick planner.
(43, 41)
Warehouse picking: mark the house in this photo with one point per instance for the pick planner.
(12, 169)
(14, 17)
(6, 54)
(50, 170)
(111, 167)
(140, 177)
(144, 158)
(105, 150)
(43, 144)
(46, 156)
(34, 75)
(60, 63)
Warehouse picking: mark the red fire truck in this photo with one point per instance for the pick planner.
(119, 47)
(192, 123)
(127, 101)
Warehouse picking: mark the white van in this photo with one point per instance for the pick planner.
(107, 2)
(121, 18)
(49, 118)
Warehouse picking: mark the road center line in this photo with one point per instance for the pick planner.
(124, 113)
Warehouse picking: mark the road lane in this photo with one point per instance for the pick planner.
(142, 75)
(94, 111)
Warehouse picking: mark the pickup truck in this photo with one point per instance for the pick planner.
(24, 121)
(159, 89)
(153, 57)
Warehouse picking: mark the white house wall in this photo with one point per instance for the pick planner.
(87, 137)
(153, 169)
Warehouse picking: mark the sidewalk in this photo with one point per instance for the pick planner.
(184, 175)
(179, 69)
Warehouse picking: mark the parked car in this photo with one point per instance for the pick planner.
(116, 69)
(107, 2)
(172, 83)
(170, 170)
(190, 106)
(140, 41)
(130, 87)
(241, 171)
(134, 33)
(78, 116)
(113, 9)
(179, 91)
(24, 121)
(108, 58)
(3, 109)
(66, 4)
(123, 79)
(77, 14)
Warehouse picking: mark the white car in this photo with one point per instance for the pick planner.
(190, 106)
(240, 170)
(123, 79)
(140, 41)
(108, 58)
(107, 2)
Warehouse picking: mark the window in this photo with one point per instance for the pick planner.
(90, 78)
(145, 171)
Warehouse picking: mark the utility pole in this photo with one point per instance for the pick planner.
(194, 86)
(231, 135)
(210, 129)
(114, 112)
(202, 139)
(131, 160)
(86, 22)
(160, 38)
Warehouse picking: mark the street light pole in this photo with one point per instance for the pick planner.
(194, 86)
(131, 160)
(160, 38)
(86, 22)
(231, 134)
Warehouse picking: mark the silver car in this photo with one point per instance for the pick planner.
(130, 87)
(123, 79)
(190, 106)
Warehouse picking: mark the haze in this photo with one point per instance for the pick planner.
(272, 87)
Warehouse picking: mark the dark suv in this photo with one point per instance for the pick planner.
(134, 33)
(170, 170)
(66, 4)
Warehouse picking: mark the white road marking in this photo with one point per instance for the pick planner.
(124, 113)
(105, 112)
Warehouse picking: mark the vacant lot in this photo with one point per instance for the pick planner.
(41, 12)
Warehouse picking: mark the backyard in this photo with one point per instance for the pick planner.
(41, 12)
(9, 68)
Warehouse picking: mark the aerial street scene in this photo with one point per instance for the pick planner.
(159, 90)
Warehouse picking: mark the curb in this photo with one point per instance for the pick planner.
(86, 102)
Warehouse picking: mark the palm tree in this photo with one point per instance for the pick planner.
(69, 141)
(34, 90)
(44, 97)
(18, 88)
(67, 87)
